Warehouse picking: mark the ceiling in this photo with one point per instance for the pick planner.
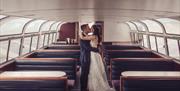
(91, 10)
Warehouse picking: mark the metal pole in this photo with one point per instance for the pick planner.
(9, 44)
(30, 44)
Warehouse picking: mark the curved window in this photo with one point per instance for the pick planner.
(140, 26)
(46, 26)
(172, 26)
(2, 16)
(153, 26)
(55, 26)
(34, 26)
(132, 26)
(13, 26)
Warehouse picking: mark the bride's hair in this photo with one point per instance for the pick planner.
(96, 32)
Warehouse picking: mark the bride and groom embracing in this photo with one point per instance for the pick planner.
(93, 75)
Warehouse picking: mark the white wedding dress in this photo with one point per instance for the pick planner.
(97, 78)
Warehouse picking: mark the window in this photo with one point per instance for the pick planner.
(172, 26)
(14, 48)
(46, 40)
(26, 46)
(173, 48)
(50, 38)
(41, 41)
(34, 26)
(16, 24)
(153, 26)
(132, 26)
(140, 26)
(34, 43)
(161, 45)
(145, 41)
(55, 26)
(3, 51)
(141, 39)
(54, 37)
(153, 43)
(46, 26)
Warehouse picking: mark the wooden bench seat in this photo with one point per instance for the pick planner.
(33, 81)
(119, 65)
(150, 81)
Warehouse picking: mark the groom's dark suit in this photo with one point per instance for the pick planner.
(85, 59)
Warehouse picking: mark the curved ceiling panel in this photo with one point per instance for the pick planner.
(89, 10)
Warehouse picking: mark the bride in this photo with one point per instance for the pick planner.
(97, 78)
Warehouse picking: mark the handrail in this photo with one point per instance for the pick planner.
(159, 35)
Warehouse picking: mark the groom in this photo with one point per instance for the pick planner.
(85, 57)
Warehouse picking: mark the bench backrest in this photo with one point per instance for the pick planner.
(68, 65)
(117, 66)
(33, 85)
(151, 84)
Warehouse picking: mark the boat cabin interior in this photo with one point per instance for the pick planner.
(41, 44)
